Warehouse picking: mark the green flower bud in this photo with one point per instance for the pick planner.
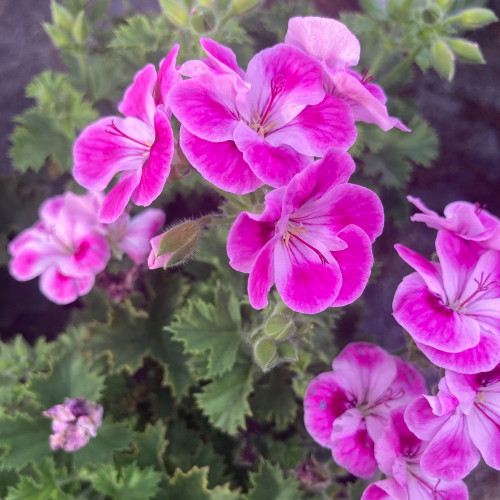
(240, 7)
(203, 20)
(80, 29)
(431, 14)
(468, 51)
(59, 37)
(176, 12)
(61, 16)
(279, 327)
(265, 353)
(287, 351)
(443, 60)
(474, 18)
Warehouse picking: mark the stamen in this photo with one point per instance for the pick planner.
(367, 79)
(388, 396)
(315, 250)
(482, 286)
(277, 85)
(114, 130)
(479, 208)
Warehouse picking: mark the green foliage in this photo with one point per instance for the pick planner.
(150, 446)
(128, 483)
(137, 32)
(269, 483)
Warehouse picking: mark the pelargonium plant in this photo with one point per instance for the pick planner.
(180, 376)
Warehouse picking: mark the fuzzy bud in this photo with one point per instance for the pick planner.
(241, 7)
(443, 60)
(279, 327)
(288, 352)
(265, 353)
(176, 12)
(61, 16)
(431, 14)
(474, 18)
(203, 20)
(468, 51)
(80, 28)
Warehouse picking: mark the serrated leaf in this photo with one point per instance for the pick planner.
(225, 400)
(23, 440)
(138, 31)
(129, 483)
(288, 453)
(193, 485)
(215, 328)
(150, 446)
(8, 477)
(269, 483)
(44, 487)
(110, 437)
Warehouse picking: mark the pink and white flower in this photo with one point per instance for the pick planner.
(66, 247)
(241, 130)
(73, 423)
(452, 308)
(337, 49)
(398, 453)
(141, 145)
(347, 409)
(461, 422)
(314, 239)
(470, 221)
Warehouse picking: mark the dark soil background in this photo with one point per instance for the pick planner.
(465, 113)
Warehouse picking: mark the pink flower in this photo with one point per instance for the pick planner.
(452, 308)
(398, 453)
(468, 220)
(346, 409)
(141, 145)
(313, 239)
(461, 422)
(132, 235)
(73, 423)
(331, 43)
(242, 130)
(67, 247)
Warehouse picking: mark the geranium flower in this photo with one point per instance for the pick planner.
(332, 44)
(73, 423)
(470, 221)
(67, 247)
(240, 133)
(461, 422)
(398, 453)
(313, 239)
(346, 409)
(452, 308)
(141, 145)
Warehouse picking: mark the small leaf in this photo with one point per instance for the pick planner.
(138, 31)
(269, 483)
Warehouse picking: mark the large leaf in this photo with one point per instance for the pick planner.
(215, 328)
(269, 483)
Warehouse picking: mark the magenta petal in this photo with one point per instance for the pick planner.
(206, 106)
(484, 429)
(424, 487)
(138, 99)
(168, 77)
(261, 277)
(63, 289)
(451, 454)
(155, 170)
(421, 420)
(155, 262)
(324, 401)
(355, 263)
(32, 259)
(387, 489)
(221, 56)
(317, 128)
(273, 165)
(305, 282)
(116, 200)
(220, 163)
(352, 447)
(246, 239)
(429, 322)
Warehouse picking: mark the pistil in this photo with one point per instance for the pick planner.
(114, 130)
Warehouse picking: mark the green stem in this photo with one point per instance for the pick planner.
(399, 68)
(82, 61)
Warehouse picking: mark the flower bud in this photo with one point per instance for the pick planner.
(443, 60)
(474, 18)
(176, 12)
(175, 246)
(61, 16)
(468, 51)
(59, 37)
(203, 20)
(279, 327)
(287, 351)
(265, 353)
(80, 28)
(431, 14)
(240, 7)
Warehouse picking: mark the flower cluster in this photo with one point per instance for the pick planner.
(68, 246)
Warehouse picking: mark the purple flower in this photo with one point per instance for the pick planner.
(346, 409)
(314, 239)
(141, 145)
(242, 130)
(452, 308)
(73, 423)
(337, 49)
(398, 452)
(461, 422)
(66, 248)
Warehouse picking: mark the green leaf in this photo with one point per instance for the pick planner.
(288, 453)
(138, 31)
(110, 437)
(44, 487)
(129, 483)
(269, 483)
(150, 446)
(225, 400)
(193, 485)
(23, 440)
(215, 328)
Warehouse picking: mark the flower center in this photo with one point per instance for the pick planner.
(292, 231)
(114, 130)
(388, 396)
(483, 284)
(258, 121)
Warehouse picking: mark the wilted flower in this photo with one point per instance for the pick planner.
(346, 409)
(73, 423)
